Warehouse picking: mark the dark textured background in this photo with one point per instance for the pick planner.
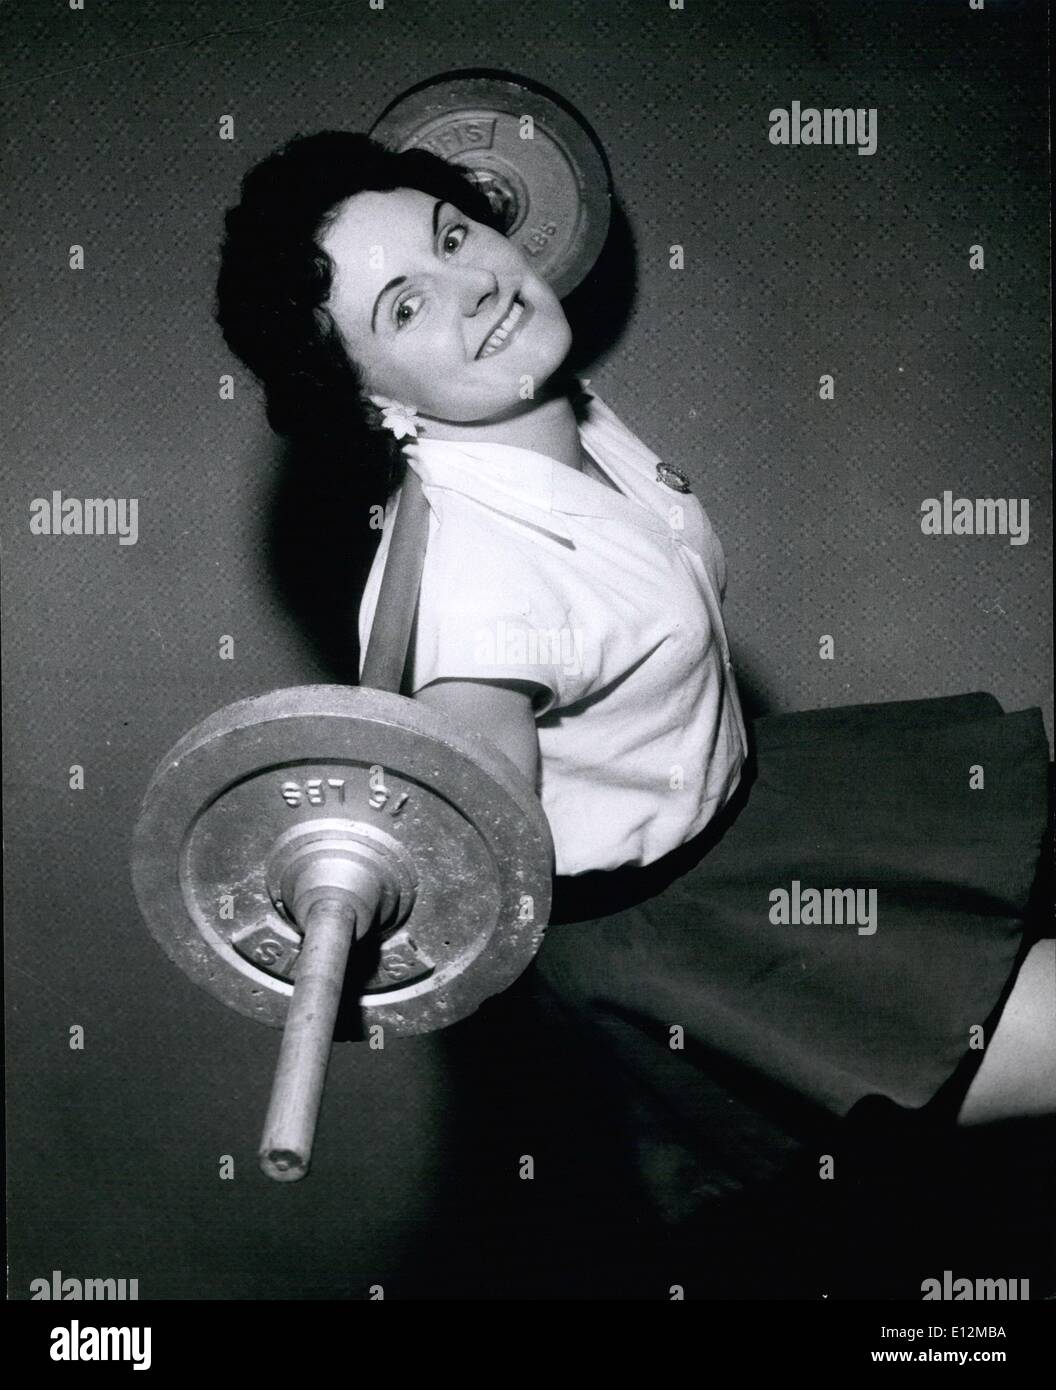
(798, 262)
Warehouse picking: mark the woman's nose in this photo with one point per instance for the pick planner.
(476, 289)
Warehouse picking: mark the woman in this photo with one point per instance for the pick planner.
(835, 913)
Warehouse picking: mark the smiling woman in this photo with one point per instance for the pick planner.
(571, 612)
(275, 282)
(463, 328)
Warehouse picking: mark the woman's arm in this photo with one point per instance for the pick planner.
(501, 711)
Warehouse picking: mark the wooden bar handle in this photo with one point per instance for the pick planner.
(390, 632)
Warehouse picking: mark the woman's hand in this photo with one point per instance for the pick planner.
(500, 711)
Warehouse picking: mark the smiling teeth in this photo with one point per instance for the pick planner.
(503, 331)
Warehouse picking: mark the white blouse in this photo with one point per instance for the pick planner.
(610, 603)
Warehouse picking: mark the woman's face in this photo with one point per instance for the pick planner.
(439, 311)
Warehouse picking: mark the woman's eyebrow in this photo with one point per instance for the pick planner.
(401, 278)
(381, 295)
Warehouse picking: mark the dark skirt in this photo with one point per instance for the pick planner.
(688, 970)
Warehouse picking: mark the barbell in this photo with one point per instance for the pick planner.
(285, 828)
(326, 847)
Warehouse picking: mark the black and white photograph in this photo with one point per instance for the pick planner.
(527, 667)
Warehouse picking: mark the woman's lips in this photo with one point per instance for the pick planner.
(491, 345)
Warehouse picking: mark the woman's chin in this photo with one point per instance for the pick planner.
(499, 403)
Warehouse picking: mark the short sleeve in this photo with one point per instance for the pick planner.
(709, 548)
(485, 612)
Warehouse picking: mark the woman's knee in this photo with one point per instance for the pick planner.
(1017, 1075)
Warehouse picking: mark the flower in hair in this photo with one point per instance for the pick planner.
(401, 419)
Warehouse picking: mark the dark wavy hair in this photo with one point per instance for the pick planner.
(275, 279)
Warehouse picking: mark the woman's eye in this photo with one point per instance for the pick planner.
(456, 234)
(411, 305)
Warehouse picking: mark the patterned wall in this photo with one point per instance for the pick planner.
(798, 262)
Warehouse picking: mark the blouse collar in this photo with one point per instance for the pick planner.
(539, 490)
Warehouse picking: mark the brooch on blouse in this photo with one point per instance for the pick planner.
(672, 478)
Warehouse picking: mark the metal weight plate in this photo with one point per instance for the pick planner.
(551, 190)
(468, 846)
